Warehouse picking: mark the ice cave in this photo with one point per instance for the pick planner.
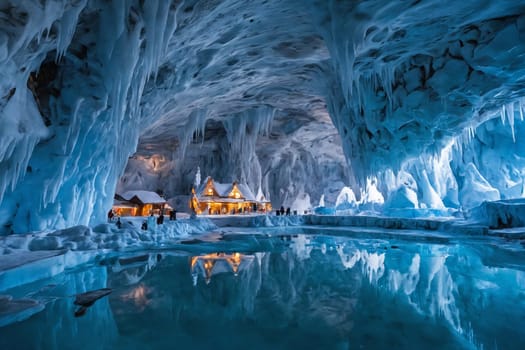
(263, 174)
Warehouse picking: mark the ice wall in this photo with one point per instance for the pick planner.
(85, 83)
(85, 75)
(496, 151)
(485, 163)
(409, 76)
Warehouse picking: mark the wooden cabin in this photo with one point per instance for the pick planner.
(124, 208)
(139, 203)
(217, 198)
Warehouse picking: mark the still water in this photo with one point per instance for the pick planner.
(286, 292)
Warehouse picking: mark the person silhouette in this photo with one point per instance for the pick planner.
(111, 214)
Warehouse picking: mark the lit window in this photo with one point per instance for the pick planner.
(237, 195)
(210, 191)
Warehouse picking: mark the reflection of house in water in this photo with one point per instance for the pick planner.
(216, 198)
(215, 263)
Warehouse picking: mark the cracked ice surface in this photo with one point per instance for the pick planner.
(298, 98)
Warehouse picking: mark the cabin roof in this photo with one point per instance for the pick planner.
(144, 197)
(224, 189)
(245, 190)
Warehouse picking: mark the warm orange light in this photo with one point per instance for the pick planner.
(194, 260)
(237, 195)
(139, 296)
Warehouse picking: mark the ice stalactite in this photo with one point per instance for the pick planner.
(22, 129)
(397, 92)
(22, 124)
(242, 132)
(194, 129)
(94, 119)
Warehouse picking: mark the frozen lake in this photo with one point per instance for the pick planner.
(256, 290)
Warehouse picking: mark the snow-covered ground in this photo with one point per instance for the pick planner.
(19, 250)
(28, 258)
(66, 248)
(59, 250)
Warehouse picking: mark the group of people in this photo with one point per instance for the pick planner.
(150, 222)
(159, 220)
(282, 212)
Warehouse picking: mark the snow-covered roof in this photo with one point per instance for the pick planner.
(223, 190)
(220, 188)
(143, 196)
(246, 192)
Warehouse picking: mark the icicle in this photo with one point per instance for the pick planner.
(502, 114)
(67, 26)
(521, 106)
(510, 116)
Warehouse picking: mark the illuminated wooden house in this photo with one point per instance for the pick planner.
(124, 208)
(217, 198)
(139, 203)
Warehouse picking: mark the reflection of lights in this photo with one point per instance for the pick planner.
(194, 260)
(235, 261)
(210, 264)
(139, 296)
(208, 268)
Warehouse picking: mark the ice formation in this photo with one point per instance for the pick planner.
(299, 98)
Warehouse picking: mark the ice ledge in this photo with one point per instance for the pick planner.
(258, 221)
(12, 311)
(444, 225)
(449, 225)
(26, 267)
(501, 214)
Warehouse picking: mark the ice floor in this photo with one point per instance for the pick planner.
(278, 288)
